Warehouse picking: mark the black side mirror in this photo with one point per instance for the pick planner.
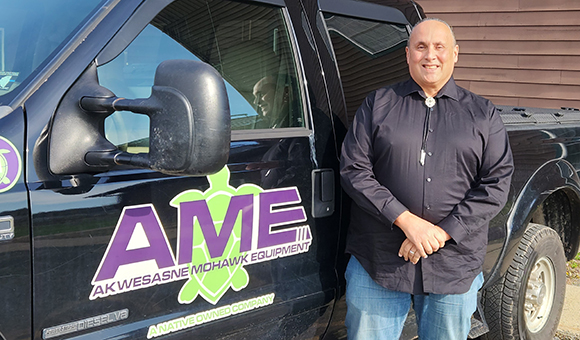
(189, 123)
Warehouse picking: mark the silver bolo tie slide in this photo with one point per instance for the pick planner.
(429, 102)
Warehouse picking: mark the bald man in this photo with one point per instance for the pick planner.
(428, 165)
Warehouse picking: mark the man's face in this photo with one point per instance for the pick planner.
(431, 55)
(264, 93)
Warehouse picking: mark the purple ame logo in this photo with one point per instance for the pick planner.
(10, 165)
(219, 232)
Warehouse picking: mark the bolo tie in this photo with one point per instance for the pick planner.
(429, 102)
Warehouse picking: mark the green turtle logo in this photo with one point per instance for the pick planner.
(213, 284)
(10, 164)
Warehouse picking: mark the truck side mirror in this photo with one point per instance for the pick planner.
(189, 123)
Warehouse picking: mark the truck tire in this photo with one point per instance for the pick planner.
(527, 302)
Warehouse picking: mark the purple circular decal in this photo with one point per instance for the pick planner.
(10, 164)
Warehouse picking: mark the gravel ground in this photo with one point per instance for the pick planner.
(573, 271)
(564, 335)
(572, 278)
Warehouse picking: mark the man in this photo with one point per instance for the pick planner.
(428, 165)
(273, 104)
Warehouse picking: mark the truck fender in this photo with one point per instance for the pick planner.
(552, 176)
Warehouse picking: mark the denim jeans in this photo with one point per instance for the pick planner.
(376, 313)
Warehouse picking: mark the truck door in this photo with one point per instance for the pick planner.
(237, 254)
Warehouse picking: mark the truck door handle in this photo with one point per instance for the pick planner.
(322, 192)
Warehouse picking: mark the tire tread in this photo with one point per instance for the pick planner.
(500, 301)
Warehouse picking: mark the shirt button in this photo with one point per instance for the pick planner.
(430, 130)
(428, 207)
(429, 153)
(428, 179)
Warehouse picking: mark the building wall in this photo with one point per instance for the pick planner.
(516, 52)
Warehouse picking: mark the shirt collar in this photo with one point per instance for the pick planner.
(449, 89)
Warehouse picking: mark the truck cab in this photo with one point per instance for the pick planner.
(169, 169)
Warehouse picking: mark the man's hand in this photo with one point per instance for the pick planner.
(424, 235)
(409, 252)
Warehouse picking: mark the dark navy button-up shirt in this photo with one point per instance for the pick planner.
(460, 183)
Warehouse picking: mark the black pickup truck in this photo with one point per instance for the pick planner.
(168, 169)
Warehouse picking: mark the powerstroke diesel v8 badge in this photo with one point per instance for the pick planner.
(220, 231)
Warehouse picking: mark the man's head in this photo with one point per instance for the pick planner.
(431, 54)
(264, 94)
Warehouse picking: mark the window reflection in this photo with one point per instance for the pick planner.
(369, 54)
(247, 44)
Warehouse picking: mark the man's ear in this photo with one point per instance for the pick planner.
(456, 53)
(407, 53)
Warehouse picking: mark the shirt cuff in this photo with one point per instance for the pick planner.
(454, 228)
(391, 211)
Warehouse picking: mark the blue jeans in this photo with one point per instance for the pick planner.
(374, 312)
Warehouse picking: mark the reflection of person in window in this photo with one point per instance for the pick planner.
(272, 101)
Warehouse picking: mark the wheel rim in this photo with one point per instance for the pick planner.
(539, 294)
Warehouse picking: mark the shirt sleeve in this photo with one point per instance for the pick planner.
(357, 176)
(490, 191)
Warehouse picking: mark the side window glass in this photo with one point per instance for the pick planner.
(369, 55)
(247, 44)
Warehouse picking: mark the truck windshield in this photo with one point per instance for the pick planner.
(31, 33)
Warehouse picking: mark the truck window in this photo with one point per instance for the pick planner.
(369, 55)
(247, 43)
(31, 32)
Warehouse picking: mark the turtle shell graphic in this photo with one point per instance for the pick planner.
(4, 167)
(10, 165)
(213, 284)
